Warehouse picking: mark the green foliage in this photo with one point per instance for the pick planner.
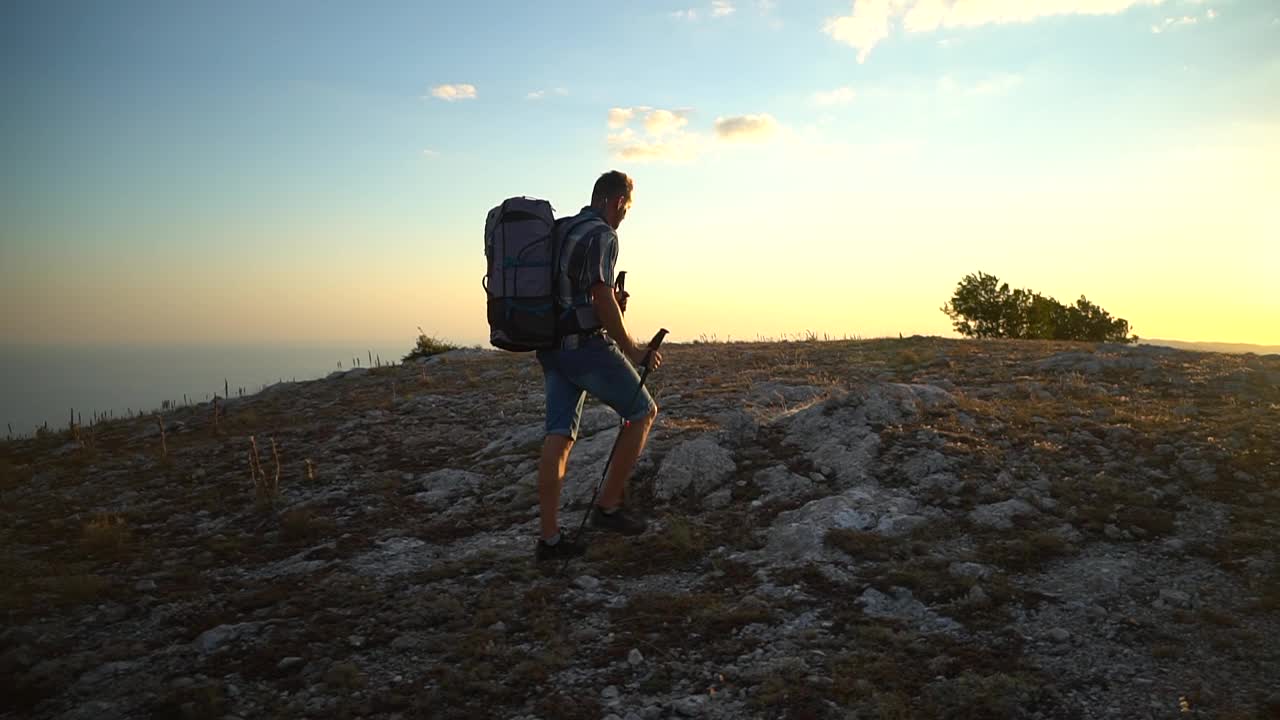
(984, 307)
(428, 345)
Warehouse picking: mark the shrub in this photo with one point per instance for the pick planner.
(984, 307)
(427, 346)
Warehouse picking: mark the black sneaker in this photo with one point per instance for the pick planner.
(623, 521)
(566, 549)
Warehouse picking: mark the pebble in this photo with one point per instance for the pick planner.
(586, 582)
(145, 585)
(1059, 635)
(692, 706)
(289, 663)
(356, 640)
(635, 658)
(610, 693)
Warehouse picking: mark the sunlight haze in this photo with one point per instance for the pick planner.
(296, 172)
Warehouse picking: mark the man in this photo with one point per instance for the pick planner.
(597, 357)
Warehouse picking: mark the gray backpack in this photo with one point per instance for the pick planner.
(522, 252)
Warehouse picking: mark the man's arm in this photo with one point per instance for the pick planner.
(610, 315)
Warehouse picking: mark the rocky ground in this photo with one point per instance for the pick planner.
(872, 529)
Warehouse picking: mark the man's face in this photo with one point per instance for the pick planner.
(616, 211)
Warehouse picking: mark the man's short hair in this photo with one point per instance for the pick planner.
(611, 185)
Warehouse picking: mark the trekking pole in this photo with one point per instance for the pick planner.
(654, 344)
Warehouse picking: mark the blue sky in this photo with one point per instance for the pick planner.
(290, 171)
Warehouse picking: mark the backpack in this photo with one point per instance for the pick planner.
(521, 249)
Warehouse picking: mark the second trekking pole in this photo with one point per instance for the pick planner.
(654, 344)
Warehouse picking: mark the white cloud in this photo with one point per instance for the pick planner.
(661, 122)
(747, 128)
(1211, 14)
(619, 117)
(540, 94)
(681, 149)
(664, 137)
(839, 96)
(460, 91)
(430, 153)
(1173, 22)
(865, 27)
(871, 21)
(718, 9)
(648, 134)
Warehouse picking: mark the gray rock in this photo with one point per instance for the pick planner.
(972, 570)
(899, 525)
(779, 483)
(799, 534)
(718, 500)
(609, 693)
(104, 672)
(737, 428)
(216, 638)
(145, 585)
(587, 583)
(444, 487)
(635, 658)
(1175, 598)
(691, 706)
(900, 605)
(290, 663)
(1000, 515)
(1059, 635)
(701, 464)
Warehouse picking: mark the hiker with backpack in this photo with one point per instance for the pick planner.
(573, 318)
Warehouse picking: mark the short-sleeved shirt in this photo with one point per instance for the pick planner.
(588, 255)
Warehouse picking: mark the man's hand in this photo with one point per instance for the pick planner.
(620, 296)
(638, 354)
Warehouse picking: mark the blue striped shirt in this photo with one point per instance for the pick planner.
(588, 255)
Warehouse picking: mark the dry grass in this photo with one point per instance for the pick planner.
(106, 536)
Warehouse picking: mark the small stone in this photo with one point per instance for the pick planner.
(145, 585)
(612, 716)
(289, 663)
(181, 683)
(1176, 598)
(587, 583)
(498, 627)
(1112, 532)
(356, 640)
(692, 706)
(1059, 635)
(404, 642)
(635, 658)
(610, 693)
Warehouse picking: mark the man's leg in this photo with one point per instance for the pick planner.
(631, 441)
(555, 455)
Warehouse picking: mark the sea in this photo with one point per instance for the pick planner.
(47, 383)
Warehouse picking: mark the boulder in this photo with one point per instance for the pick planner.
(701, 464)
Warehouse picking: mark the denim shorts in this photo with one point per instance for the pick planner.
(597, 367)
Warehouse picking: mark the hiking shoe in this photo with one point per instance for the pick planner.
(623, 521)
(566, 549)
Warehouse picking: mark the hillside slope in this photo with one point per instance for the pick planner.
(891, 528)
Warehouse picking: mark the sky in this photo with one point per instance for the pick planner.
(304, 172)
